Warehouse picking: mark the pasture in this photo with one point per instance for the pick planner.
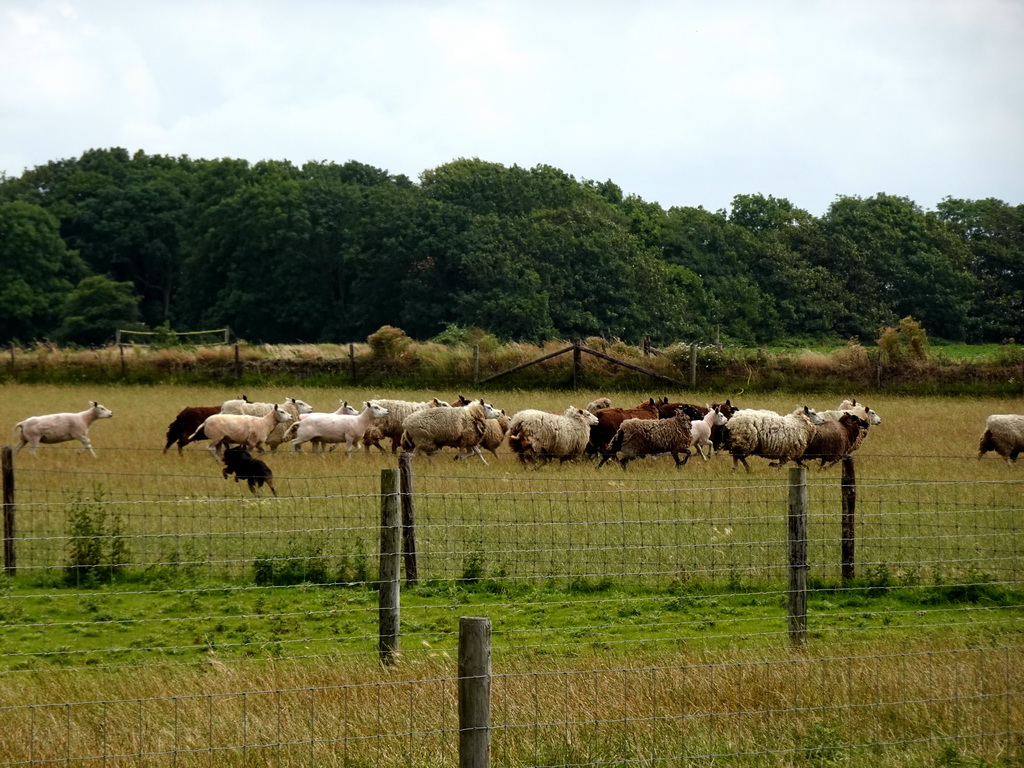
(621, 599)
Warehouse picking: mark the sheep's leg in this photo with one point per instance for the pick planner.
(686, 458)
(86, 445)
(475, 450)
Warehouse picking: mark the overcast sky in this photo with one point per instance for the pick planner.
(680, 103)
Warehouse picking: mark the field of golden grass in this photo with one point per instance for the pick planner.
(942, 695)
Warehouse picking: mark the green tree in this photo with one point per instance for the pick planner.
(894, 260)
(96, 309)
(994, 234)
(36, 271)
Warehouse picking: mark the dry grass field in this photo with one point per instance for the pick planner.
(619, 675)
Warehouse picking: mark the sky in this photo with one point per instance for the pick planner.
(684, 103)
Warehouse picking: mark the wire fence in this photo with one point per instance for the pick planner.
(177, 619)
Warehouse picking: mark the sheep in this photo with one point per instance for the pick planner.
(1004, 434)
(598, 404)
(337, 427)
(372, 438)
(835, 439)
(398, 411)
(541, 436)
(861, 411)
(702, 429)
(463, 428)
(770, 435)
(609, 419)
(239, 462)
(494, 432)
(696, 414)
(294, 407)
(60, 427)
(374, 434)
(250, 431)
(637, 438)
(186, 423)
(343, 409)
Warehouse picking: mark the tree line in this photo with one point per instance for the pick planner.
(331, 252)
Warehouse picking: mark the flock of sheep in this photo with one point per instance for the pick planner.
(652, 428)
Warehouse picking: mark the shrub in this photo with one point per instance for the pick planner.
(97, 547)
(908, 342)
(388, 342)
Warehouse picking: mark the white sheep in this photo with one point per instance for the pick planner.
(323, 428)
(463, 428)
(250, 431)
(541, 436)
(291, 405)
(60, 427)
(598, 404)
(392, 425)
(767, 434)
(344, 408)
(1004, 434)
(700, 430)
(637, 438)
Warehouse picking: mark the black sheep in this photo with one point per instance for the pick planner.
(238, 461)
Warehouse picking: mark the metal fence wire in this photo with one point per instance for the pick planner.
(180, 620)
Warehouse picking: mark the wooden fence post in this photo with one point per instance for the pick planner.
(797, 555)
(577, 364)
(849, 493)
(476, 364)
(12, 359)
(389, 574)
(408, 518)
(352, 361)
(238, 363)
(124, 369)
(693, 366)
(474, 692)
(10, 530)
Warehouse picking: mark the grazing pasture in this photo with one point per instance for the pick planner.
(639, 613)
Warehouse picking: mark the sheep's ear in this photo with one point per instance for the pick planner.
(93, 403)
(728, 403)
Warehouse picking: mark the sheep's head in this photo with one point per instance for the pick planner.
(490, 412)
(811, 415)
(582, 414)
(100, 411)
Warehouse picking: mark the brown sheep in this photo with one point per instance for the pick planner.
(833, 440)
(186, 424)
(610, 419)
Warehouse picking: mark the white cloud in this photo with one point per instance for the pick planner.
(679, 103)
